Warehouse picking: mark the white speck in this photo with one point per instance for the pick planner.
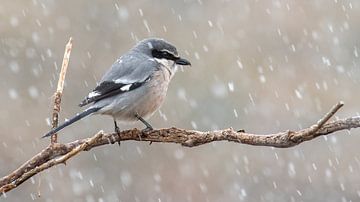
(210, 23)
(141, 12)
(342, 186)
(51, 186)
(157, 177)
(123, 13)
(14, 21)
(326, 61)
(181, 94)
(262, 78)
(239, 64)
(298, 94)
(356, 54)
(274, 184)
(33, 92)
(325, 86)
(315, 35)
(126, 178)
(314, 166)
(293, 48)
(162, 115)
(47, 120)
(251, 99)
(219, 90)
(299, 192)
(340, 69)
(91, 183)
(328, 173)
(13, 94)
(235, 113)
(268, 11)
(179, 154)
(146, 24)
(74, 174)
(287, 107)
(331, 28)
(231, 86)
(203, 187)
(193, 124)
(195, 34)
(35, 37)
(243, 192)
(49, 52)
(126, 87)
(291, 170)
(197, 56)
(205, 48)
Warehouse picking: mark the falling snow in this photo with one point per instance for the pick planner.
(261, 66)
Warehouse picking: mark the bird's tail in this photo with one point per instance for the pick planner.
(71, 121)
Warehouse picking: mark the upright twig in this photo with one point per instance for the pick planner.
(60, 88)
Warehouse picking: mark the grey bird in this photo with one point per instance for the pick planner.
(135, 86)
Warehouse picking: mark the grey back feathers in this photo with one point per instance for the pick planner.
(132, 69)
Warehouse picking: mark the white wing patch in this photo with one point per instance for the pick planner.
(126, 87)
(121, 80)
(93, 94)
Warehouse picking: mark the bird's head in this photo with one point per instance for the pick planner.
(161, 51)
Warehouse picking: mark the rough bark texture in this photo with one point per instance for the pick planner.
(57, 153)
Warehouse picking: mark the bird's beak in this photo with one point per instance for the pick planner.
(182, 61)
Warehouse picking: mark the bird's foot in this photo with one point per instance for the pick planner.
(145, 131)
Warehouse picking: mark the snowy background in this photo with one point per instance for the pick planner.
(262, 66)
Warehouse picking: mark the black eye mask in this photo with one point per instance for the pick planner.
(163, 54)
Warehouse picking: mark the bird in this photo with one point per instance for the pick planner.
(134, 87)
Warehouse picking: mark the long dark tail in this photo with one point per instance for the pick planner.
(71, 121)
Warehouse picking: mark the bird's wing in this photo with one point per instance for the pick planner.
(126, 74)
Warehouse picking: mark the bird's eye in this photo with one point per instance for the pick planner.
(167, 55)
(164, 53)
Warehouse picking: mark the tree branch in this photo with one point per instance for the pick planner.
(58, 153)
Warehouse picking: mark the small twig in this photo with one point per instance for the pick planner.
(60, 88)
(327, 116)
(308, 133)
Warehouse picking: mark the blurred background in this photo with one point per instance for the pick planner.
(262, 66)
